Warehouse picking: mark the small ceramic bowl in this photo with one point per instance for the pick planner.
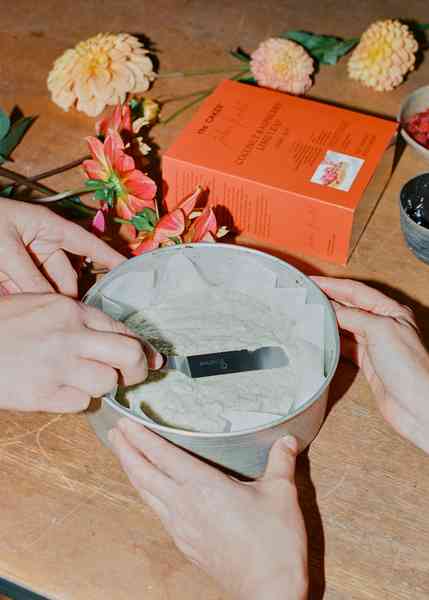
(414, 212)
(416, 102)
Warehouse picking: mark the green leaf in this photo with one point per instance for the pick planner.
(105, 194)
(145, 220)
(7, 191)
(94, 184)
(136, 106)
(330, 56)
(325, 49)
(247, 80)
(133, 103)
(100, 194)
(4, 124)
(240, 55)
(14, 136)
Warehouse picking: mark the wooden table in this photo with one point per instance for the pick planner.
(71, 527)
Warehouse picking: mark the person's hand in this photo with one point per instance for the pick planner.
(33, 241)
(249, 536)
(55, 353)
(382, 338)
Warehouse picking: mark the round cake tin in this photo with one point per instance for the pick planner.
(244, 452)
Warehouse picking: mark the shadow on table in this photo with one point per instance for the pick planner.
(343, 379)
(314, 526)
(345, 375)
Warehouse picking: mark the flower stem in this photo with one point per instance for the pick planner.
(240, 75)
(184, 96)
(18, 178)
(183, 108)
(200, 96)
(172, 74)
(63, 195)
(66, 167)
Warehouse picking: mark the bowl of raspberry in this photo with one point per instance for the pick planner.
(414, 119)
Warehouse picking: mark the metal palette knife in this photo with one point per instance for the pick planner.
(225, 363)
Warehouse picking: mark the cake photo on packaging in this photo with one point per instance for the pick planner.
(287, 173)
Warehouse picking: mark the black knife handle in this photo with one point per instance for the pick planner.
(205, 365)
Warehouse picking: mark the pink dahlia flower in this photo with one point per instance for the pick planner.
(282, 65)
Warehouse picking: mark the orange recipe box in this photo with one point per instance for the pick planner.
(288, 173)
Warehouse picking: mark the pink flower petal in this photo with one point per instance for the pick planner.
(118, 120)
(123, 210)
(188, 204)
(147, 245)
(94, 170)
(115, 121)
(209, 238)
(129, 232)
(113, 148)
(126, 118)
(138, 204)
(99, 222)
(97, 150)
(201, 226)
(140, 185)
(101, 126)
(123, 163)
(170, 225)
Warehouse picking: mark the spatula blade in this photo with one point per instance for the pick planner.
(225, 363)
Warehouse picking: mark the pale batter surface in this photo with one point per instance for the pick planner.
(212, 321)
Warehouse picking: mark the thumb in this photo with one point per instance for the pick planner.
(282, 458)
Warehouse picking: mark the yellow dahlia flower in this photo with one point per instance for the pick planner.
(384, 55)
(282, 65)
(100, 71)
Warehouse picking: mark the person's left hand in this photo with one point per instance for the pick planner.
(249, 536)
(33, 246)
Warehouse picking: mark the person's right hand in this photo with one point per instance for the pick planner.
(56, 353)
(383, 340)
(250, 537)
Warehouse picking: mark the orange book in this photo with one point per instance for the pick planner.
(289, 173)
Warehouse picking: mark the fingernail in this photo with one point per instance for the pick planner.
(156, 361)
(290, 442)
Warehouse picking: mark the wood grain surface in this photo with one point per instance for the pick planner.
(71, 526)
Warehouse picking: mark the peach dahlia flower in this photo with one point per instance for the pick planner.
(100, 71)
(384, 55)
